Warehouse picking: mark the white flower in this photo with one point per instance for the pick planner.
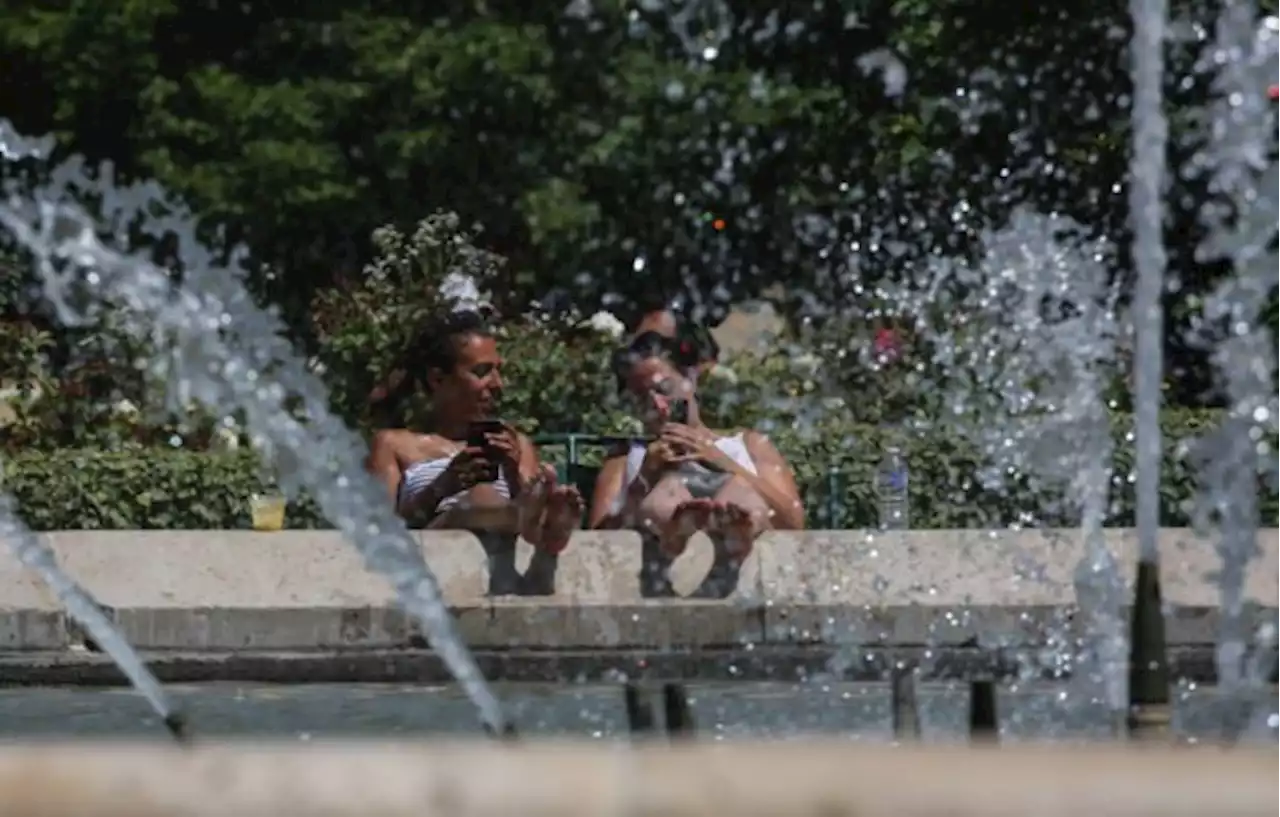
(805, 361)
(606, 324)
(225, 438)
(724, 374)
(125, 409)
(461, 291)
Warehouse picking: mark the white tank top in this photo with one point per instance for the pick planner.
(734, 446)
(419, 475)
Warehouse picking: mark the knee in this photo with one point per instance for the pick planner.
(658, 507)
(486, 496)
(738, 491)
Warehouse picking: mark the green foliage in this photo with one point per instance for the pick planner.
(584, 142)
(556, 367)
(365, 325)
(134, 488)
(139, 488)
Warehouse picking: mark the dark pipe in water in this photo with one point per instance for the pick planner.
(639, 710)
(906, 710)
(1148, 718)
(983, 718)
(506, 732)
(176, 723)
(676, 708)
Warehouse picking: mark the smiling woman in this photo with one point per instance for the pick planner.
(467, 470)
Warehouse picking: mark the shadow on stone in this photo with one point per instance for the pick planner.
(655, 569)
(655, 573)
(505, 578)
(722, 578)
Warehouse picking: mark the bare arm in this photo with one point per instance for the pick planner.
(603, 515)
(775, 482)
(384, 464)
(530, 462)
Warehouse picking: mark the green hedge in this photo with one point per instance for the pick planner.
(177, 489)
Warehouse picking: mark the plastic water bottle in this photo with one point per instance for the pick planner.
(892, 489)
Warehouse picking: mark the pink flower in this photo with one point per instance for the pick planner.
(887, 345)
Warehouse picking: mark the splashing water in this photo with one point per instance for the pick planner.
(215, 346)
(1035, 351)
(32, 553)
(1146, 214)
(1241, 220)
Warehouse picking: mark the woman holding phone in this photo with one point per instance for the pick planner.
(686, 477)
(467, 470)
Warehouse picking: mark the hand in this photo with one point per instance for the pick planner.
(505, 447)
(696, 444)
(469, 468)
(658, 457)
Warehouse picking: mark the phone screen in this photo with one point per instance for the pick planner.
(478, 431)
(476, 439)
(678, 412)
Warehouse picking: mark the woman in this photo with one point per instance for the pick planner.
(688, 478)
(664, 322)
(440, 476)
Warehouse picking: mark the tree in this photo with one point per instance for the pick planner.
(611, 149)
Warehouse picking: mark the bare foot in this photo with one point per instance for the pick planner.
(531, 504)
(564, 513)
(737, 526)
(687, 519)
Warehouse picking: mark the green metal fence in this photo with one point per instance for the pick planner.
(827, 509)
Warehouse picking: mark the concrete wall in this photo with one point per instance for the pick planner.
(308, 590)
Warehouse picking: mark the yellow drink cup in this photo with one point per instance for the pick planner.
(267, 512)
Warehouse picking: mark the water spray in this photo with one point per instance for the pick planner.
(85, 611)
(224, 351)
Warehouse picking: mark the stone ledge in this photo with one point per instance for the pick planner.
(232, 590)
(419, 666)
(557, 624)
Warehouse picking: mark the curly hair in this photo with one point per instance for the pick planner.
(435, 347)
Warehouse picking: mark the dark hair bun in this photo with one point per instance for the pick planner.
(704, 346)
(683, 352)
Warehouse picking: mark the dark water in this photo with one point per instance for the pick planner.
(775, 710)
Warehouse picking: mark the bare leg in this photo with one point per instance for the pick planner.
(659, 514)
(482, 509)
(690, 517)
(531, 505)
(741, 515)
(563, 515)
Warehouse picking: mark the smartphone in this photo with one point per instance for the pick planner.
(478, 432)
(477, 437)
(678, 412)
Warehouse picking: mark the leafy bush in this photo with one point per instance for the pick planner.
(179, 489)
(365, 326)
(557, 375)
(828, 398)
